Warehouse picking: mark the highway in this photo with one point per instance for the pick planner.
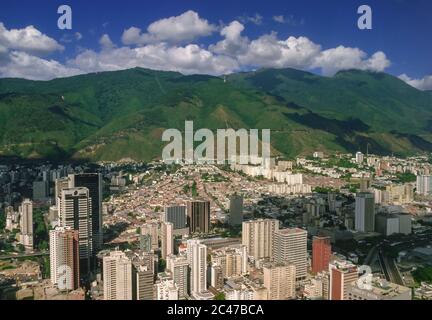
(390, 269)
(24, 255)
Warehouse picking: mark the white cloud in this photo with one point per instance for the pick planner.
(234, 43)
(29, 40)
(68, 38)
(279, 19)
(24, 65)
(289, 20)
(255, 19)
(106, 42)
(185, 27)
(342, 58)
(424, 83)
(268, 51)
(190, 59)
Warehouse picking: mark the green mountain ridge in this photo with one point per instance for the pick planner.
(122, 114)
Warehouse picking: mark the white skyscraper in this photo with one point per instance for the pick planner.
(117, 276)
(167, 229)
(197, 256)
(258, 235)
(26, 213)
(290, 246)
(359, 157)
(424, 185)
(64, 258)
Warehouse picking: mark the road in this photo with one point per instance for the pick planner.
(390, 268)
(25, 255)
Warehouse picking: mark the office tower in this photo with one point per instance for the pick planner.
(142, 279)
(179, 267)
(64, 258)
(232, 260)
(321, 253)
(197, 258)
(167, 239)
(258, 236)
(236, 210)
(60, 184)
(93, 182)
(359, 157)
(280, 280)
(145, 243)
(167, 290)
(365, 212)
(424, 185)
(176, 215)
(290, 245)
(151, 229)
(198, 216)
(40, 190)
(405, 224)
(26, 214)
(117, 276)
(217, 278)
(75, 213)
(342, 274)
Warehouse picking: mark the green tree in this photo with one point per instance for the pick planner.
(220, 296)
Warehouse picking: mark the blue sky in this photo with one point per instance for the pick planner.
(324, 37)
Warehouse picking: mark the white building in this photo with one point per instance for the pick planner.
(117, 276)
(197, 258)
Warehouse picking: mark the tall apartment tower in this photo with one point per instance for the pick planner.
(258, 237)
(290, 245)
(176, 215)
(117, 276)
(321, 253)
(167, 239)
(197, 258)
(424, 185)
(75, 213)
(342, 274)
(365, 212)
(236, 210)
(198, 216)
(280, 280)
(26, 214)
(93, 182)
(179, 267)
(151, 229)
(64, 258)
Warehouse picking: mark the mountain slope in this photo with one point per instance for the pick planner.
(122, 114)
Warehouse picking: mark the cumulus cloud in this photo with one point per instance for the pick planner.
(255, 19)
(342, 58)
(105, 42)
(24, 65)
(185, 27)
(234, 43)
(424, 83)
(29, 40)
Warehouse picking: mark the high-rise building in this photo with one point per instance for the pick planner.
(217, 278)
(142, 279)
(198, 216)
(40, 190)
(258, 237)
(152, 229)
(365, 212)
(342, 274)
(117, 276)
(424, 185)
(290, 245)
(60, 184)
(280, 280)
(167, 239)
(176, 215)
(359, 157)
(75, 213)
(197, 258)
(321, 253)
(64, 258)
(179, 267)
(236, 210)
(233, 260)
(26, 214)
(93, 182)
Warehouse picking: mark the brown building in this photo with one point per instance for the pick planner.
(342, 274)
(198, 216)
(321, 253)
